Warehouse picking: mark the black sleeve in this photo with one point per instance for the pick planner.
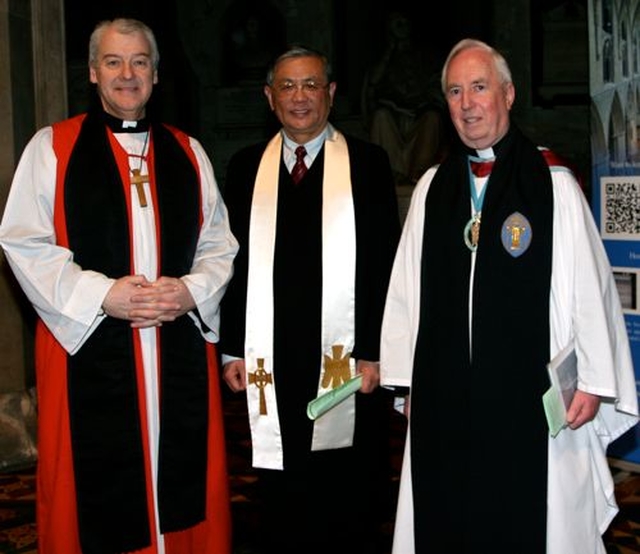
(378, 232)
(238, 192)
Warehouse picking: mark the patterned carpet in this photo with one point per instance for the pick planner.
(17, 512)
(623, 536)
(17, 492)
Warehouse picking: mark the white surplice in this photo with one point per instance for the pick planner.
(584, 308)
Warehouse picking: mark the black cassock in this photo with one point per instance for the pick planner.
(348, 484)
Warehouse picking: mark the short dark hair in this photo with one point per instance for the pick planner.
(299, 51)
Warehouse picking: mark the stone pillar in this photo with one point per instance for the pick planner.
(33, 93)
(512, 25)
(13, 25)
(49, 63)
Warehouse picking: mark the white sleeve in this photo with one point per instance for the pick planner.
(64, 296)
(213, 262)
(585, 306)
(402, 306)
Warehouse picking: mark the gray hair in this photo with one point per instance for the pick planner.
(297, 51)
(124, 26)
(501, 65)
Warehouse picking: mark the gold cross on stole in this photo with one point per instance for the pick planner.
(336, 369)
(260, 378)
(138, 180)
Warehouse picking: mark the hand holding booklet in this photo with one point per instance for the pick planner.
(563, 375)
(324, 403)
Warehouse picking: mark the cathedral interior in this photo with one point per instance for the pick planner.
(214, 55)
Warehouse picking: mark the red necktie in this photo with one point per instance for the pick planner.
(299, 169)
(481, 169)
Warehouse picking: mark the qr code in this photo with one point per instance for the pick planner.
(621, 208)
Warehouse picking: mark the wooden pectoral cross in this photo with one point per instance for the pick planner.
(138, 180)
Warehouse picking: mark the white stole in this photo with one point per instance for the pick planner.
(335, 428)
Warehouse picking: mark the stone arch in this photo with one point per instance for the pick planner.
(616, 132)
(598, 137)
(631, 126)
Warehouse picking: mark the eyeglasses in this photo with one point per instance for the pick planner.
(308, 86)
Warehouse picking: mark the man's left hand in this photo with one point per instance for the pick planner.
(370, 375)
(583, 409)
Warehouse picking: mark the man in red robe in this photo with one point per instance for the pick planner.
(116, 231)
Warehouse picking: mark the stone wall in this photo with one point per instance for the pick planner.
(18, 429)
(32, 94)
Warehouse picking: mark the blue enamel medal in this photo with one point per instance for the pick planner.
(516, 234)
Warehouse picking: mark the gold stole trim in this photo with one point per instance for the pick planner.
(335, 428)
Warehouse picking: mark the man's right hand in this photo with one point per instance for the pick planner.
(234, 375)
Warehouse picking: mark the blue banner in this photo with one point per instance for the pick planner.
(614, 63)
(616, 208)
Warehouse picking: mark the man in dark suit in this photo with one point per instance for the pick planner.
(316, 216)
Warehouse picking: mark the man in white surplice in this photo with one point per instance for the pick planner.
(472, 317)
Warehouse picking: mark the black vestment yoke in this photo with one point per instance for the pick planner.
(478, 430)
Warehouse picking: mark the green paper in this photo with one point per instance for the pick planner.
(324, 403)
(563, 375)
(554, 410)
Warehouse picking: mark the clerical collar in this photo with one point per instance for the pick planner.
(492, 151)
(485, 153)
(118, 125)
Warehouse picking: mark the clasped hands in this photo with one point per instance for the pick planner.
(147, 303)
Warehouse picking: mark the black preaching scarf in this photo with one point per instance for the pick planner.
(478, 430)
(106, 430)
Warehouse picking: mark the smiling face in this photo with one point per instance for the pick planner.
(124, 74)
(301, 97)
(479, 100)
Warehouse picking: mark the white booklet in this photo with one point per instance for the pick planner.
(563, 375)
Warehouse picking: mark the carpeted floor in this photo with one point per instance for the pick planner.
(17, 512)
(623, 536)
(17, 492)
